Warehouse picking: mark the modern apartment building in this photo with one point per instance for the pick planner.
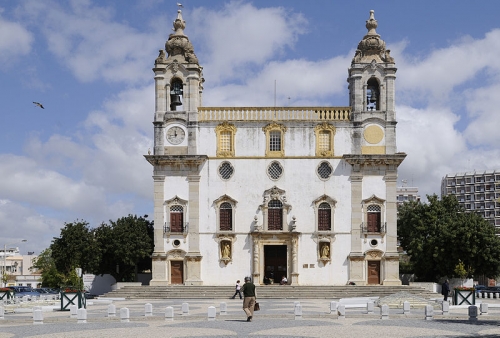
(405, 194)
(476, 191)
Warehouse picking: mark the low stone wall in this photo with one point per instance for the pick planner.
(433, 287)
(120, 285)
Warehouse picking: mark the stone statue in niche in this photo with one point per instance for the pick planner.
(225, 250)
(325, 250)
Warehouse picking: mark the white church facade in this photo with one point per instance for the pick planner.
(308, 193)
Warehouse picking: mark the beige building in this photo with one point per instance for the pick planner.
(477, 191)
(19, 268)
(308, 193)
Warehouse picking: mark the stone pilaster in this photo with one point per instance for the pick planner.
(159, 268)
(193, 257)
(391, 257)
(159, 264)
(295, 260)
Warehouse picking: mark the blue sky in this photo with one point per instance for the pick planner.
(89, 63)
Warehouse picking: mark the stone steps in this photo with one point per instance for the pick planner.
(267, 292)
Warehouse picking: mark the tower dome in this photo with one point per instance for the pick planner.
(372, 47)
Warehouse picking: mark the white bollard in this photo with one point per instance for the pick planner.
(169, 313)
(72, 311)
(111, 310)
(484, 309)
(223, 308)
(445, 307)
(341, 311)
(370, 306)
(124, 315)
(211, 313)
(37, 316)
(185, 309)
(148, 310)
(2, 312)
(333, 307)
(429, 312)
(384, 311)
(406, 307)
(81, 315)
(472, 313)
(298, 312)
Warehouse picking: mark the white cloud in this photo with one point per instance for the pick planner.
(93, 45)
(15, 40)
(240, 36)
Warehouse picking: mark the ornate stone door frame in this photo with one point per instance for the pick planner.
(260, 239)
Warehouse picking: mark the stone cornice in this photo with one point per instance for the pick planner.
(375, 160)
(187, 160)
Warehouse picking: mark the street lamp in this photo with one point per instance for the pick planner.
(4, 271)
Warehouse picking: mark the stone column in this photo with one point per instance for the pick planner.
(159, 264)
(391, 256)
(193, 257)
(256, 260)
(356, 257)
(160, 94)
(295, 261)
(159, 135)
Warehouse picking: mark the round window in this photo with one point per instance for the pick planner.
(373, 242)
(275, 170)
(176, 243)
(324, 170)
(226, 170)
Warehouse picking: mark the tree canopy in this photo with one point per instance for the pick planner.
(121, 248)
(440, 234)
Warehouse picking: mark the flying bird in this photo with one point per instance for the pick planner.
(38, 104)
(180, 5)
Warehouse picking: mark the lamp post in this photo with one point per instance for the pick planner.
(4, 271)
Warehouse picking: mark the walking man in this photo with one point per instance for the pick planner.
(445, 290)
(249, 296)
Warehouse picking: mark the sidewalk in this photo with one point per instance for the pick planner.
(276, 319)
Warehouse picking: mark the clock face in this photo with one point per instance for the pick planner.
(175, 135)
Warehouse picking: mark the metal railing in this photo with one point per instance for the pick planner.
(167, 228)
(382, 230)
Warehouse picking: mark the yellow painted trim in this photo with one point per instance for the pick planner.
(373, 134)
(365, 150)
(268, 129)
(282, 158)
(331, 130)
(225, 127)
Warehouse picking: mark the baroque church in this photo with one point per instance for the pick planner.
(308, 193)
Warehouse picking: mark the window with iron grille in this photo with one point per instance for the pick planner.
(275, 170)
(226, 217)
(275, 215)
(325, 170)
(324, 217)
(275, 140)
(176, 218)
(373, 218)
(225, 141)
(226, 170)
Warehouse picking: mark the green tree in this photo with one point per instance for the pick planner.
(126, 246)
(439, 234)
(76, 247)
(45, 264)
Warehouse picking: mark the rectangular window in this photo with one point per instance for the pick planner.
(275, 141)
(176, 220)
(324, 220)
(275, 219)
(373, 222)
(226, 216)
(225, 141)
(324, 141)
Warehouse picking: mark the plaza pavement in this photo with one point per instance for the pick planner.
(276, 319)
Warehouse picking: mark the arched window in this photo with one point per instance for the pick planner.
(373, 218)
(324, 217)
(226, 217)
(372, 95)
(275, 215)
(176, 92)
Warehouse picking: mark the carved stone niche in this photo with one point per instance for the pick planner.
(324, 250)
(226, 248)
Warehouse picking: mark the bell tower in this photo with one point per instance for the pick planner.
(371, 81)
(178, 94)
(373, 156)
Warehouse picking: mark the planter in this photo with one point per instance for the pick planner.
(466, 297)
(72, 298)
(4, 295)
